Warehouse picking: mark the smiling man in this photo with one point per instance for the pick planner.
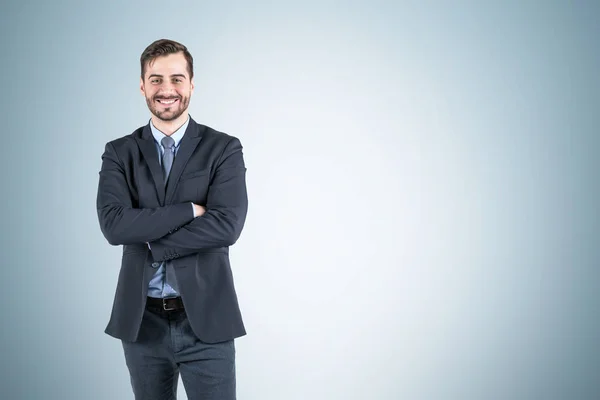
(173, 194)
(168, 103)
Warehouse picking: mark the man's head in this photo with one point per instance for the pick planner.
(167, 78)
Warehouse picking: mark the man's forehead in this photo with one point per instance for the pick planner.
(170, 64)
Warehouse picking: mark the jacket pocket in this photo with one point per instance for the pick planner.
(193, 174)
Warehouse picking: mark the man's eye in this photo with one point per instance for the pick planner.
(177, 80)
(154, 81)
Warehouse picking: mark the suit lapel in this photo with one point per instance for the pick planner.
(188, 144)
(148, 148)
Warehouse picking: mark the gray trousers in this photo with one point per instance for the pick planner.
(167, 347)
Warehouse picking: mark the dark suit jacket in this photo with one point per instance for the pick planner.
(135, 208)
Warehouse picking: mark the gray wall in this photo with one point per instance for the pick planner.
(423, 182)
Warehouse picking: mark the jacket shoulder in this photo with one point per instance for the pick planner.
(126, 140)
(215, 135)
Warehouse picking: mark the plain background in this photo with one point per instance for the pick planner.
(423, 184)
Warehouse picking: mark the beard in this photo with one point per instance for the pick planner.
(168, 113)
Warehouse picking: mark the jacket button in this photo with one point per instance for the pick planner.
(155, 265)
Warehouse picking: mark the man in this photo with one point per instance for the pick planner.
(173, 193)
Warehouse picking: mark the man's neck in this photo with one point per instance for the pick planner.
(169, 127)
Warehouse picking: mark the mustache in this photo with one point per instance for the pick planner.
(166, 97)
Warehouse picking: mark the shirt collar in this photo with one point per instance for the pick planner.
(177, 135)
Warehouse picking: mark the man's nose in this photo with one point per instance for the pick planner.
(167, 87)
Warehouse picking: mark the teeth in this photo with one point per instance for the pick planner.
(167, 101)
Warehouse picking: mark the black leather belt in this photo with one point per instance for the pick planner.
(167, 304)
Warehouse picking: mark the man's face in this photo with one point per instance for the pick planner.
(167, 86)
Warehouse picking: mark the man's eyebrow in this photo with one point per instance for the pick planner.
(160, 76)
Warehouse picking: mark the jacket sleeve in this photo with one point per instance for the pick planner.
(226, 208)
(119, 221)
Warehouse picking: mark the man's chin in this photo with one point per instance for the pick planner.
(167, 116)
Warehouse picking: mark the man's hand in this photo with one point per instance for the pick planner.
(198, 210)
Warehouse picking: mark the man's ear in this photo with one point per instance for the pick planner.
(142, 87)
(192, 85)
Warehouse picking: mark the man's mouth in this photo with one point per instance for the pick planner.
(167, 102)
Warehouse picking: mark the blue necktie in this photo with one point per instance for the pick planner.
(167, 162)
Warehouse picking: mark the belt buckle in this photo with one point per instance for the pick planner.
(164, 303)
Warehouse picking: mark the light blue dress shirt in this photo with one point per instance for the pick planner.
(158, 286)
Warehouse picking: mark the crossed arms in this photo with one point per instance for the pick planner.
(171, 230)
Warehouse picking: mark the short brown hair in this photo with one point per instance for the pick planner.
(163, 47)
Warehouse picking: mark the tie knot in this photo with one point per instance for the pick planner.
(167, 142)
